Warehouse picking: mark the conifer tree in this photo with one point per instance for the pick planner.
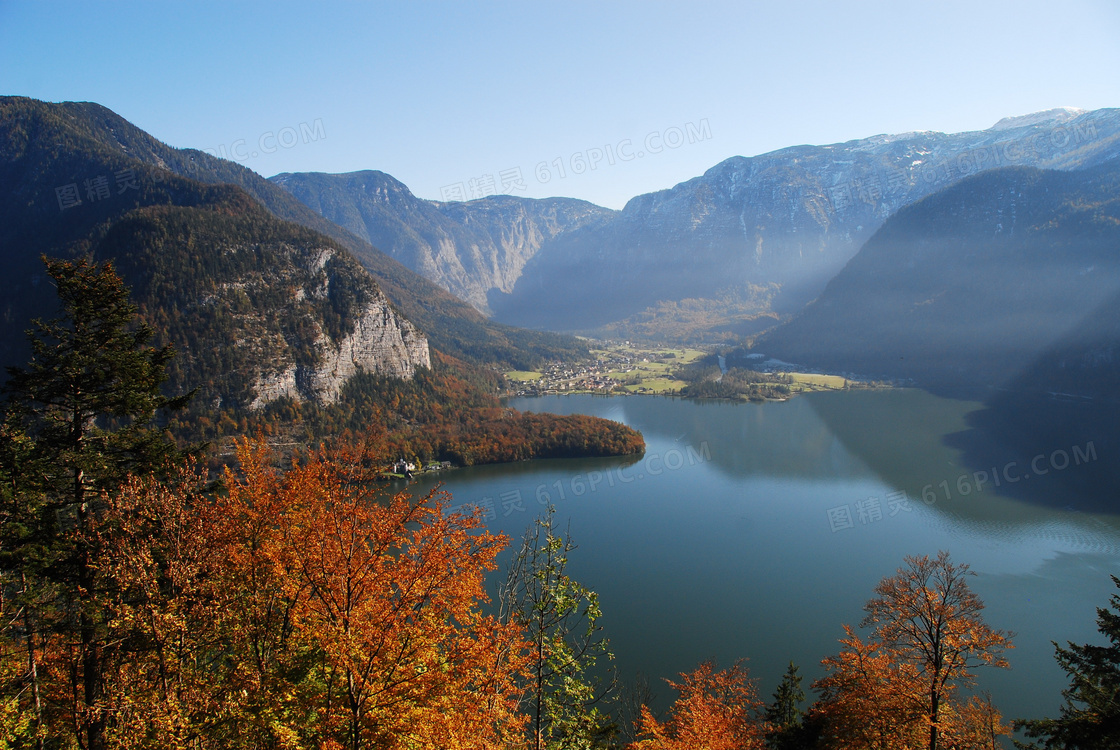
(1090, 717)
(79, 420)
(785, 715)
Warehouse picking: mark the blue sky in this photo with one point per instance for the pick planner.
(455, 99)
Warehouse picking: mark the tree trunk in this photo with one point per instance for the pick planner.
(87, 626)
(538, 736)
(91, 662)
(355, 712)
(32, 666)
(934, 707)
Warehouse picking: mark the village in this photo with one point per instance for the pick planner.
(615, 367)
(625, 367)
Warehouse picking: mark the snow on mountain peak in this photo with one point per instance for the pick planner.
(1057, 115)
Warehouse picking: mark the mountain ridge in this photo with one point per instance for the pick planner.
(750, 238)
(453, 325)
(202, 260)
(468, 248)
(791, 217)
(277, 328)
(974, 285)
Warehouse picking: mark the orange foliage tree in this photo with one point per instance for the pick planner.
(975, 725)
(716, 710)
(163, 582)
(374, 604)
(929, 637)
(930, 617)
(304, 608)
(869, 700)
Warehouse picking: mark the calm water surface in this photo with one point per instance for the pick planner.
(757, 530)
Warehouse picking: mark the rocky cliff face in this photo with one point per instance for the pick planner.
(382, 343)
(472, 249)
(793, 217)
(511, 230)
(258, 309)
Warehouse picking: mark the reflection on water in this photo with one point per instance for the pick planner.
(1025, 428)
(1019, 475)
(723, 541)
(795, 441)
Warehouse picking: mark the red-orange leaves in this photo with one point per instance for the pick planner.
(870, 700)
(716, 710)
(901, 689)
(384, 595)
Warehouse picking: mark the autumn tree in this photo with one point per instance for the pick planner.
(269, 659)
(20, 725)
(170, 602)
(869, 698)
(974, 725)
(1090, 717)
(630, 697)
(302, 608)
(79, 419)
(928, 618)
(23, 717)
(561, 622)
(383, 595)
(716, 710)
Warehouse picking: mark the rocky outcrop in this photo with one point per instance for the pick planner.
(381, 343)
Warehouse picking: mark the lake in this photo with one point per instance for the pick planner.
(757, 530)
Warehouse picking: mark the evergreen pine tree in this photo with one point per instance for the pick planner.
(1090, 719)
(784, 714)
(79, 420)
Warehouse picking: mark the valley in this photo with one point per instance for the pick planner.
(623, 367)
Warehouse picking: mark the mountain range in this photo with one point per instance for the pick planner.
(51, 143)
(280, 320)
(750, 237)
(1008, 278)
(971, 257)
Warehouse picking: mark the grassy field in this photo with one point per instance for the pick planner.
(806, 381)
(653, 376)
(523, 376)
(656, 385)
